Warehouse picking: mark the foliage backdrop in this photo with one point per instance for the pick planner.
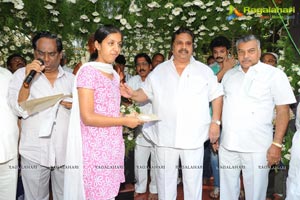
(147, 25)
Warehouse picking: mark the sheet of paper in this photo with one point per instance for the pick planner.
(40, 104)
(148, 117)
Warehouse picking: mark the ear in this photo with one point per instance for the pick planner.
(97, 45)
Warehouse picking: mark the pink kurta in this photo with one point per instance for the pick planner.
(103, 147)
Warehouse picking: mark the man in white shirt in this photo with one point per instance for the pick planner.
(292, 182)
(180, 90)
(251, 91)
(43, 134)
(144, 147)
(9, 134)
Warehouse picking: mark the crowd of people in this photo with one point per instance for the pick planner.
(66, 127)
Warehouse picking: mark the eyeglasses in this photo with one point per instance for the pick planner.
(142, 64)
(43, 54)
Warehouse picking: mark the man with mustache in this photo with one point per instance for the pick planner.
(144, 147)
(252, 91)
(220, 47)
(180, 90)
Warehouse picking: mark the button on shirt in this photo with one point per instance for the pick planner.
(47, 151)
(248, 106)
(182, 103)
(9, 131)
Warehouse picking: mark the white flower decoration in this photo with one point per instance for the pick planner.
(177, 11)
(18, 4)
(225, 3)
(210, 3)
(54, 19)
(287, 156)
(183, 18)
(84, 17)
(187, 4)
(18, 44)
(198, 3)
(130, 137)
(203, 17)
(97, 19)
(128, 26)
(149, 20)
(153, 4)
(133, 8)
(54, 12)
(118, 17)
(191, 20)
(28, 24)
(123, 21)
(211, 34)
(49, 7)
(83, 30)
(192, 13)
(93, 1)
(219, 9)
(169, 5)
(95, 14)
(51, 1)
(12, 48)
(237, 1)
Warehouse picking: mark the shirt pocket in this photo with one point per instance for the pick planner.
(197, 85)
(258, 90)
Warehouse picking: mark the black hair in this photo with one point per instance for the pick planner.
(220, 41)
(157, 54)
(120, 59)
(47, 34)
(9, 59)
(102, 32)
(142, 55)
(182, 30)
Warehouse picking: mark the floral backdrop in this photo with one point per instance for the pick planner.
(147, 25)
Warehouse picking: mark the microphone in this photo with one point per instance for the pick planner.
(31, 75)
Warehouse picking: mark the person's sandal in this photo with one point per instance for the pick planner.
(215, 194)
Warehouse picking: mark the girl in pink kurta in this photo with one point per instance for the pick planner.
(99, 164)
(103, 147)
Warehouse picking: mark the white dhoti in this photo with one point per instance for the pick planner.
(141, 157)
(8, 179)
(167, 160)
(254, 169)
(36, 178)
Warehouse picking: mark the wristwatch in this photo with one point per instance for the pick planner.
(218, 122)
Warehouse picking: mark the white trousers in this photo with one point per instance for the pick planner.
(293, 180)
(255, 172)
(167, 172)
(8, 179)
(141, 157)
(36, 178)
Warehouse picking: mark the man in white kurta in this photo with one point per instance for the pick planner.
(144, 147)
(293, 183)
(9, 134)
(180, 90)
(251, 91)
(44, 133)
